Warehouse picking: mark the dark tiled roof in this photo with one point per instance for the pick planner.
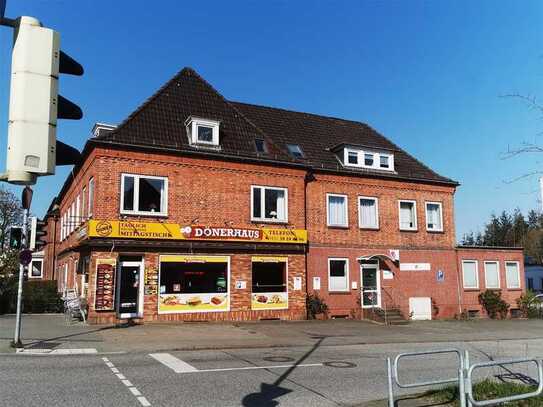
(160, 122)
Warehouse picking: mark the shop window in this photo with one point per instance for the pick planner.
(269, 283)
(36, 268)
(269, 204)
(338, 275)
(469, 274)
(368, 213)
(492, 274)
(408, 215)
(144, 195)
(336, 210)
(512, 274)
(193, 284)
(434, 217)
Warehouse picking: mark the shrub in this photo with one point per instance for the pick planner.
(315, 305)
(529, 305)
(41, 296)
(494, 305)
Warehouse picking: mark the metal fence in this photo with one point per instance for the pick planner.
(464, 378)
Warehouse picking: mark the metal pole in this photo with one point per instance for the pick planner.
(390, 389)
(461, 388)
(17, 339)
(466, 368)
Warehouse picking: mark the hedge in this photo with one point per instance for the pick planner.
(38, 297)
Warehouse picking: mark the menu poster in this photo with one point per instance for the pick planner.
(105, 285)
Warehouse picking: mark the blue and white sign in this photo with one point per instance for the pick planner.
(440, 276)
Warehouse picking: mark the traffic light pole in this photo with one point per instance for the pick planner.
(17, 338)
(26, 200)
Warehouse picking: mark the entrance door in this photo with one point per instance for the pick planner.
(130, 293)
(371, 285)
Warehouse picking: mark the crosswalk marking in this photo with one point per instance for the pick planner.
(177, 365)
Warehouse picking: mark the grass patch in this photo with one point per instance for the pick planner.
(485, 390)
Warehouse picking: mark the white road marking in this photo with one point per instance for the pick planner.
(177, 365)
(143, 401)
(83, 351)
(180, 366)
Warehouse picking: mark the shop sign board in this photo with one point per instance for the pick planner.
(105, 284)
(178, 302)
(415, 266)
(175, 231)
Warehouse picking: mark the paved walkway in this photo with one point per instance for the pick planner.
(51, 332)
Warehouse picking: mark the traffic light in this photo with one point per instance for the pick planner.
(15, 237)
(38, 230)
(35, 104)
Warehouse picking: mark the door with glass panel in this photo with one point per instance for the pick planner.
(371, 285)
(129, 292)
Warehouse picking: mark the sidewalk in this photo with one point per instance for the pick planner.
(49, 331)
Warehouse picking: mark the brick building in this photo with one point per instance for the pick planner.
(200, 208)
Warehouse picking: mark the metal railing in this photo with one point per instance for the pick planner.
(464, 379)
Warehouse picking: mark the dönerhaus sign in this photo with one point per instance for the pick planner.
(415, 266)
(174, 231)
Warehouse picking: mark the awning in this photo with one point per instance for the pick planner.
(375, 257)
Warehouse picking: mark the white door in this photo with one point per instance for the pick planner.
(420, 308)
(130, 289)
(370, 276)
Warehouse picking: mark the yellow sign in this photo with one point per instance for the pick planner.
(269, 259)
(193, 259)
(175, 231)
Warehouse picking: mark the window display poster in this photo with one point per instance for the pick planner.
(105, 284)
(277, 300)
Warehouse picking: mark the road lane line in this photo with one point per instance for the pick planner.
(259, 367)
(177, 365)
(143, 401)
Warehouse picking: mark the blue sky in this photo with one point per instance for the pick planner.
(427, 74)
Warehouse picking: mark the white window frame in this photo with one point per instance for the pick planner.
(61, 227)
(30, 267)
(499, 277)
(518, 275)
(193, 123)
(369, 198)
(476, 274)
(83, 198)
(361, 159)
(135, 211)
(263, 204)
(440, 204)
(416, 226)
(347, 275)
(77, 211)
(346, 224)
(90, 201)
(71, 222)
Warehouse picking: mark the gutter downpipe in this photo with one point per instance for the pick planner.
(309, 177)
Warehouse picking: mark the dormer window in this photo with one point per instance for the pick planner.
(295, 150)
(260, 146)
(368, 159)
(203, 131)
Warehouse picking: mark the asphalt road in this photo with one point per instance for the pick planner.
(339, 375)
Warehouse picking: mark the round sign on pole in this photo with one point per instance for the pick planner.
(25, 257)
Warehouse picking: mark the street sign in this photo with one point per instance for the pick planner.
(25, 257)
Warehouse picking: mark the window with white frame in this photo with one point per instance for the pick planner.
(83, 208)
(470, 274)
(36, 268)
(408, 215)
(338, 274)
(336, 210)
(71, 221)
(512, 274)
(144, 195)
(368, 159)
(492, 274)
(269, 204)
(77, 218)
(90, 204)
(434, 217)
(62, 227)
(368, 212)
(203, 131)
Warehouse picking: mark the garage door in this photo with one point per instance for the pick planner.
(420, 308)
